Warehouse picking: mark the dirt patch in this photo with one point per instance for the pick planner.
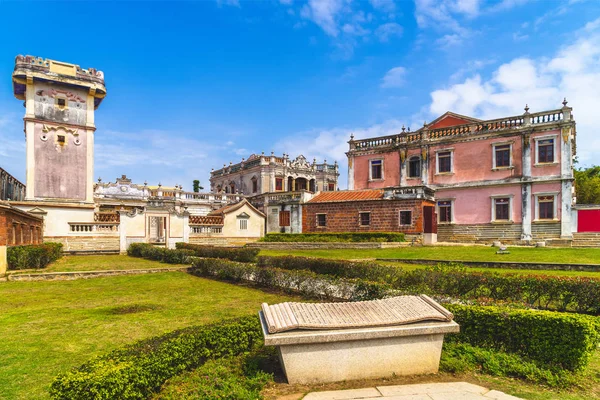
(131, 309)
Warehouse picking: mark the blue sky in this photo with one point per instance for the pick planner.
(192, 85)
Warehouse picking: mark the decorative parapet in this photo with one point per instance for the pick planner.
(193, 197)
(482, 127)
(107, 217)
(299, 163)
(206, 220)
(409, 192)
(10, 187)
(57, 67)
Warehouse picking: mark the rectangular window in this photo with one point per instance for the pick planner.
(445, 211)
(331, 187)
(405, 217)
(546, 207)
(284, 218)
(546, 151)
(376, 169)
(364, 218)
(254, 185)
(444, 161)
(243, 224)
(502, 154)
(502, 209)
(279, 184)
(61, 102)
(414, 167)
(61, 139)
(321, 219)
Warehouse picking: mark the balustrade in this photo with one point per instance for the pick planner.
(107, 217)
(206, 229)
(90, 227)
(547, 116)
(205, 220)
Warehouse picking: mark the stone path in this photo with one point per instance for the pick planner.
(72, 275)
(427, 391)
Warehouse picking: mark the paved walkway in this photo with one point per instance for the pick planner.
(427, 391)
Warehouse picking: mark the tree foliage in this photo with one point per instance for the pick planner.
(196, 185)
(587, 185)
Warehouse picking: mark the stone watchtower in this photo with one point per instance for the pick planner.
(60, 100)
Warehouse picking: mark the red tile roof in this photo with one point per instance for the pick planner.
(348, 195)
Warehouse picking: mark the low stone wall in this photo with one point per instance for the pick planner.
(503, 264)
(221, 241)
(326, 245)
(69, 276)
(488, 233)
(86, 244)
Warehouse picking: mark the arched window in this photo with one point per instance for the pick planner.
(254, 184)
(414, 167)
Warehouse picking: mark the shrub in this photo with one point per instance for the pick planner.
(241, 254)
(225, 378)
(138, 370)
(338, 268)
(335, 237)
(33, 256)
(148, 251)
(540, 291)
(303, 282)
(461, 357)
(556, 340)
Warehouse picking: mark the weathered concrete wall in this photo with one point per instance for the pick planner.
(46, 103)
(295, 211)
(60, 168)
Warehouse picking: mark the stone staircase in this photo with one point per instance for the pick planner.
(586, 239)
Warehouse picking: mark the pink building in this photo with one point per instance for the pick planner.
(509, 179)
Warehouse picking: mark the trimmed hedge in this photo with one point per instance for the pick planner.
(303, 282)
(559, 293)
(338, 268)
(150, 252)
(138, 370)
(33, 256)
(334, 237)
(241, 254)
(462, 357)
(556, 340)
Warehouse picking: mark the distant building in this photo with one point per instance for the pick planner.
(10, 187)
(507, 179)
(261, 174)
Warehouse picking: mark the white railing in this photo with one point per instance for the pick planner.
(206, 229)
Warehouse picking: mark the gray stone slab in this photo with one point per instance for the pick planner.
(457, 396)
(430, 388)
(367, 393)
(496, 395)
(408, 397)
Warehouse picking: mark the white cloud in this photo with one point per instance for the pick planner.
(383, 5)
(324, 13)
(394, 78)
(573, 72)
(233, 3)
(386, 31)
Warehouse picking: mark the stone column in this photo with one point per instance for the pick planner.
(566, 172)
(186, 227)
(425, 165)
(3, 261)
(403, 157)
(526, 193)
(350, 172)
(122, 232)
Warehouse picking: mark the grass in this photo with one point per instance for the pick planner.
(98, 263)
(459, 253)
(49, 327)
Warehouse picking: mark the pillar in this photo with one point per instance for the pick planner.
(425, 166)
(122, 232)
(351, 172)
(3, 261)
(403, 156)
(566, 193)
(186, 227)
(526, 192)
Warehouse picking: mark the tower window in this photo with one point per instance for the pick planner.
(61, 103)
(61, 139)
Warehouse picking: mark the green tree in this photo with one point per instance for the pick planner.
(197, 186)
(587, 185)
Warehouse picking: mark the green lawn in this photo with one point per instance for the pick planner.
(97, 263)
(49, 327)
(459, 253)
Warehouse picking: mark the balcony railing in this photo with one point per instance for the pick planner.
(199, 230)
(93, 228)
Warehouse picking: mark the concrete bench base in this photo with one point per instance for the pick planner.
(336, 355)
